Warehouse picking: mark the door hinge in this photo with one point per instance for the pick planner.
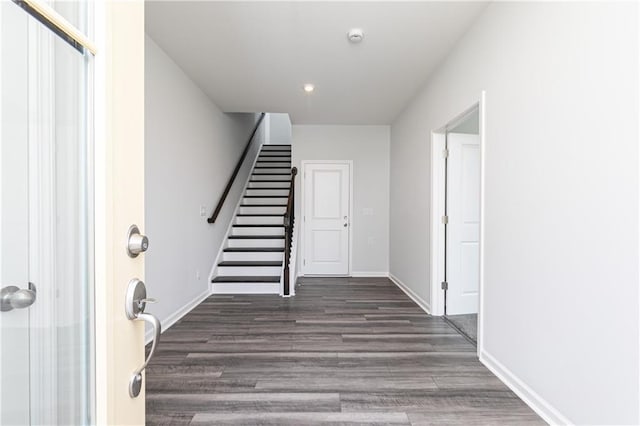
(445, 153)
(445, 285)
(304, 262)
(445, 219)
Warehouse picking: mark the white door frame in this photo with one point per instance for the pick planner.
(438, 208)
(303, 166)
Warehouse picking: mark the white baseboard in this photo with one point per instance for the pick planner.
(173, 318)
(369, 274)
(538, 404)
(419, 300)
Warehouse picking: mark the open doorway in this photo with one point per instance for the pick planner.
(457, 221)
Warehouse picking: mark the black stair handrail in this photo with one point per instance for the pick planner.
(289, 219)
(227, 189)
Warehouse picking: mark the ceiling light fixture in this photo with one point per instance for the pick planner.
(355, 35)
(308, 87)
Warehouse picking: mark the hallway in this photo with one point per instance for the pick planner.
(343, 351)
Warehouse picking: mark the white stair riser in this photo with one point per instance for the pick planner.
(285, 156)
(280, 164)
(283, 184)
(258, 209)
(252, 255)
(279, 242)
(284, 192)
(275, 148)
(249, 271)
(281, 200)
(279, 178)
(276, 230)
(259, 220)
(246, 288)
(274, 157)
(284, 170)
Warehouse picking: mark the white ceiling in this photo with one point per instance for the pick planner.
(256, 56)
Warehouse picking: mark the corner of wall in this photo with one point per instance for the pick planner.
(423, 304)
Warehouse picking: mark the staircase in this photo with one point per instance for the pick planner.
(252, 260)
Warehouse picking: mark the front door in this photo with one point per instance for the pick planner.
(326, 218)
(463, 229)
(71, 184)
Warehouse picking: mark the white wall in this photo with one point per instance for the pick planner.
(368, 147)
(191, 149)
(279, 129)
(561, 202)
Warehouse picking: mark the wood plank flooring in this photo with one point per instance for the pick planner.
(343, 351)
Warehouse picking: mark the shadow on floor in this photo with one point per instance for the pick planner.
(466, 324)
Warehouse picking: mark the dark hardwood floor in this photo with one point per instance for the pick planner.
(343, 351)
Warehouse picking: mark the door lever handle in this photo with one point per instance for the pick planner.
(135, 384)
(12, 297)
(135, 303)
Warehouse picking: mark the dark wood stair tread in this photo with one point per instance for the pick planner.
(271, 181)
(260, 214)
(266, 196)
(286, 188)
(263, 205)
(256, 237)
(251, 263)
(254, 249)
(257, 225)
(272, 167)
(247, 279)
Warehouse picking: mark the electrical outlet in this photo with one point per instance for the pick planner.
(203, 211)
(198, 274)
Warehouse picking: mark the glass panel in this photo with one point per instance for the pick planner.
(74, 11)
(14, 214)
(45, 218)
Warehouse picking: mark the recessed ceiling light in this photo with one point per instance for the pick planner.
(355, 35)
(309, 87)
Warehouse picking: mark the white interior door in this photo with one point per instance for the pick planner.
(463, 228)
(326, 218)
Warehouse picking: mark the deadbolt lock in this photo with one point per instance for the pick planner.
(136, 242)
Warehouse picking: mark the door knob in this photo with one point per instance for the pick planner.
(345, 225)
(136, 242)
(12, 297)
